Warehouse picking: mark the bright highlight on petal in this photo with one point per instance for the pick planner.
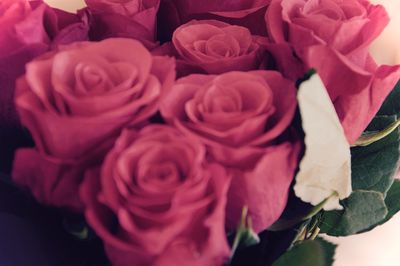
(325, 170)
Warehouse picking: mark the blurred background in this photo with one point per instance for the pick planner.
(381, 246)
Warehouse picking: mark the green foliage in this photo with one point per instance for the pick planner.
(361, 210)
(311, 252)
(391, 106)
(392, 201)
(374, 166)
(376, 197)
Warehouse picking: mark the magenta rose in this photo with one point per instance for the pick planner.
(239, 116)
(124, 18)
(28, 29)
(246, 13)
(333, 37)
(217, 47)
(157, 201)
(75, 102)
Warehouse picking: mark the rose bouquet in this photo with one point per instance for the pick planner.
(186, 132)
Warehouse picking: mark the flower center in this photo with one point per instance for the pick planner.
(91, 79)
(163, 174)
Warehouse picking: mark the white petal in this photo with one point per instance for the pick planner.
(326, 165)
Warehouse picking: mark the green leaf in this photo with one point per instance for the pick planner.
(309, 253)
(374, 166)
(373, 170)
(392, 201)
(362, 210)
(368, 138)
(391, 106)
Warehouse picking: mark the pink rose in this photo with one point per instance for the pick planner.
(12, 11)
(28, 29)
(239, 116)
(217, 47)
(157, 201)
(246, 13)
(75, 102)
(333, 37)
(124, 18)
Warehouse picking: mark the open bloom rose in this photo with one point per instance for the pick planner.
(217, 47)
(246, 13)
(333, 37)
(157, 201)
(75, 103)
(239, 115)
(124, 18)
(28, 29)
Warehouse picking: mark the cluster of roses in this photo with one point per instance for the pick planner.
(162, 137)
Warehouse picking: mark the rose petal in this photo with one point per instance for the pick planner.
(321, 175)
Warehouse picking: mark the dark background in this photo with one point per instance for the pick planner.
(33, 235)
